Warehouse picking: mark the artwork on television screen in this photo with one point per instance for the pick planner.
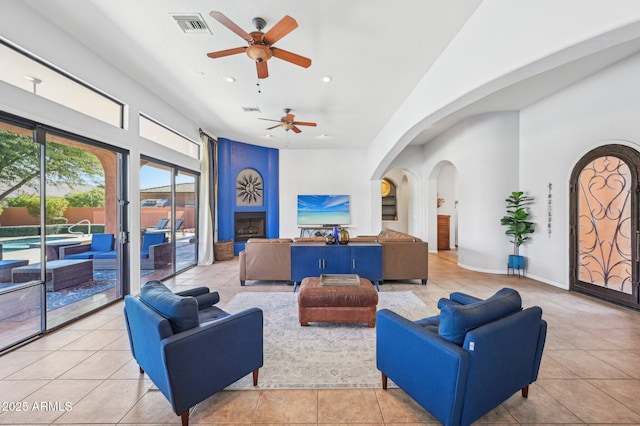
(323, 210)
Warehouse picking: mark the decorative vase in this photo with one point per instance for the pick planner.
(343, 236)
(329, 239)
(336, 234)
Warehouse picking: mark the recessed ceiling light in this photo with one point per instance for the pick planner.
(268, 135)
(323, 136)
(230, 79)
(326, 79)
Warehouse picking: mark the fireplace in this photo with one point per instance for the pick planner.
(249, 225)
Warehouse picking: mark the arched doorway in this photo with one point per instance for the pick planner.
(605, 238)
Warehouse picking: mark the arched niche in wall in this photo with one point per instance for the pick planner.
(407, 198)
(249, 188)
(389, 199)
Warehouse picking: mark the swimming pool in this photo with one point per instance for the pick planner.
(25, 243)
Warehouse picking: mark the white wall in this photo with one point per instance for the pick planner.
(554, 134)
(503, 42)
(484, 151)
(324, 172)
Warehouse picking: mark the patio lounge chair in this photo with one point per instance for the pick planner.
(160, 228)
(100, 243)
(154, 254)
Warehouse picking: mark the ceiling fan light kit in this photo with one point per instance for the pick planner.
(288, 122)
(260, 49)
(260, 45)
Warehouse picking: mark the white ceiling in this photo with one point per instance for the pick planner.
(375, 51)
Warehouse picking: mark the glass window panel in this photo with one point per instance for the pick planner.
(154, 131)
(186, 220)
(20, 298)
(81, 222)
(156, 201)
(26, 73)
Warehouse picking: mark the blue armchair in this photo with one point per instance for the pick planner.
(466, 361)
(189, 348)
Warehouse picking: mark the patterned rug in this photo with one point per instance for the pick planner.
(321, 355)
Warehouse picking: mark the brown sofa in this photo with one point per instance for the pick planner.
(266, 259)
(404, 257)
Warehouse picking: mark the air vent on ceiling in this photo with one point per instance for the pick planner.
(251, 109)
(191, 23)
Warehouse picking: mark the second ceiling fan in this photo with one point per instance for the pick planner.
(287, 122)
(260, 47)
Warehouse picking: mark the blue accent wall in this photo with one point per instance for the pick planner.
(232, 158)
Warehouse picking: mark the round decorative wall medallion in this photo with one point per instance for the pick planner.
(249, 188)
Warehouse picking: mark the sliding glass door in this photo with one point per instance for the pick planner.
(61, 199)
(168, 218)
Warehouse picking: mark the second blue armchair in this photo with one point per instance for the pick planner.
(466, 361)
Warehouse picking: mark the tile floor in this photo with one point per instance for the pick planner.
(84, 373)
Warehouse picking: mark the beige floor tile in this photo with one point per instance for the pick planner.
(18, 390)
(623, 360)
(55, 340)
(227, 407)
(50, 401)
(94, 340)
(100, 365)
(152, 408)
(120, 344)
(130, 370)
(348, 406)
(623, 391)
(586, 365)
(51, 366)
(398, 407)
(18, 359)
(287, 406)
(538, 407)
(587, 402)
(107, 403)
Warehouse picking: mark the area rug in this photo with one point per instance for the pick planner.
(321, 355)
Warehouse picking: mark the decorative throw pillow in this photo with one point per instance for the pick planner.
(457, 320)
(181, 311)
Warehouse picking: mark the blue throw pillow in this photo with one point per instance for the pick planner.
(181, 311)
(457, 320)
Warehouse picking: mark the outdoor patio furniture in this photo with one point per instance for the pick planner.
(6, 266)
(99, 243)
(60, 273)
(161, 227)
(154, 254)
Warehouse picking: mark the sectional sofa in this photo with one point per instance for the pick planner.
(404, 257)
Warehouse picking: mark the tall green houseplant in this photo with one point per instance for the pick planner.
(517, 220)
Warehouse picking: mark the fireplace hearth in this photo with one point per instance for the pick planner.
(249, 225)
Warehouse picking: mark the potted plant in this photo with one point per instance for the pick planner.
(518, 226)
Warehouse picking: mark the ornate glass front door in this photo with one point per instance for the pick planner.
(604, 225)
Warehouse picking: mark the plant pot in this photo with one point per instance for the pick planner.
(515, 262)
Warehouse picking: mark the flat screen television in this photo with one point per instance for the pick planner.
(323, 210)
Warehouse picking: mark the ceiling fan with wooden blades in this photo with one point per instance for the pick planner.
(288, 123)
(260, 47)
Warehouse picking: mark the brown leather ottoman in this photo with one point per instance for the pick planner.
(339, 303)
